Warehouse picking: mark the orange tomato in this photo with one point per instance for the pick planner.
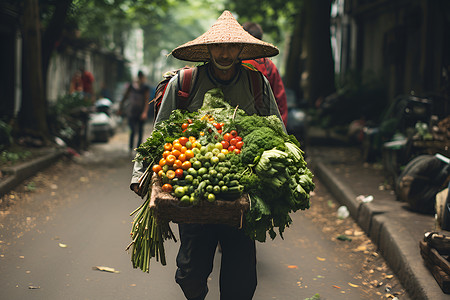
(168, 147)
(162, 162)
(177, 146)
(179, 173)
(166, 153)
(186, 165)
(183, 149)
(170, 159)
(161, 173)
(182, 157)
(170, 174)
(167, 188)
(156, 168)
(177, 164)
(176, 152)
(189, 154)
(192, 139)
(183, 140)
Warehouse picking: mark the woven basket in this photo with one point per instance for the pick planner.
(168, 208)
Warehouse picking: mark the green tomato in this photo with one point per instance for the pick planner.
(188, 144)
(214, 160)
(203, 150)
(201, 171)
(211, 197)
(179, 192)
(215, 151)
(208, 155)
(196, 151)
(218, 146)
(209, 188)
(189, 178)
(185, 200)
(197, 165)
(216, 189)
(213, 172)
(210, 147)
(221, 156)
(193, 172)
(224, 189)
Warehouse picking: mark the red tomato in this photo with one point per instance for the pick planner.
(184, 126)
(221, 124)
(239, 138)
(167, 188)
(239, 144)
(183, 140)
(227, 137)
(233, 133)
(179, 173)
(233, 142)
(217, 125)
(236, 151)
(231, 148)
(225, 144)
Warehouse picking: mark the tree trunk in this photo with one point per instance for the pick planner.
(319, 64)
(32, 115)
(294, 66)
(52, 34)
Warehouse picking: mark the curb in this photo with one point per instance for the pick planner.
(25, 170)
(384, 223)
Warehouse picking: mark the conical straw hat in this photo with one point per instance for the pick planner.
(225, 30)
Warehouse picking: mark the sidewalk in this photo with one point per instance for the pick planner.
(391, 226)
(15, 175)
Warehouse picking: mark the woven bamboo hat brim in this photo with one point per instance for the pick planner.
(225, 30)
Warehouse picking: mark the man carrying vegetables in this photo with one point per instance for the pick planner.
(222, 48)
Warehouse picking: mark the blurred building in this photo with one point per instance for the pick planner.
(406, 43)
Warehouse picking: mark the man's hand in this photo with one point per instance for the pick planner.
(136, 189)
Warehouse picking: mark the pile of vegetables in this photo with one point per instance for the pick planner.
(220, 152)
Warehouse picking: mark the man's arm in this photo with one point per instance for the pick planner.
(168, 104)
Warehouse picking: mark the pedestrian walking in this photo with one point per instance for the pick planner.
(269, 69)
(222, 48)
(137, 97)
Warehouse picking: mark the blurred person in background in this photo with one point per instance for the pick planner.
(268, 68)
(88, 84)
(137, 102)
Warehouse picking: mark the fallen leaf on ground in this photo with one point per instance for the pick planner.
(320, 258)
(353, 285)
(105, 269)
(62, 245)
(335, 286)
(292, 267)
(34, 287)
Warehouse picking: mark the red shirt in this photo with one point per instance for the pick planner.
(88, 80)
(268, 68)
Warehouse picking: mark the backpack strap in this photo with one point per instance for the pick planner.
(184, 87)
(255, 77)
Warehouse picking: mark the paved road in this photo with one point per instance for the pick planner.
(51, 239)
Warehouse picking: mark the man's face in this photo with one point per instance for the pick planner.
(225, 54)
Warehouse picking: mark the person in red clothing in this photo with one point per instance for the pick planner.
(268, 68)
(88, 80)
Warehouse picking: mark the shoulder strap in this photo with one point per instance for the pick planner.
(184, 87)
(257, 90)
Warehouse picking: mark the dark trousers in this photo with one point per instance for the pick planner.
(196, 256)
(136, 128)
